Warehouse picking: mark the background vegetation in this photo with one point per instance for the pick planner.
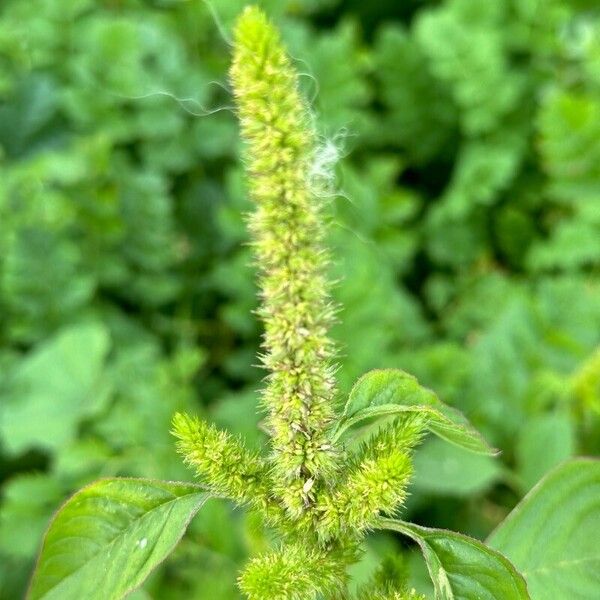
(466, 241)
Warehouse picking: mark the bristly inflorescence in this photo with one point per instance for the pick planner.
(297, 572)
(320, 499)
(287, 228)
(222, 460)
(375, 479)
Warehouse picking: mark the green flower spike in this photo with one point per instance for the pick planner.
(376, 479)
(293, 572)
(288, 232)
(222, 461)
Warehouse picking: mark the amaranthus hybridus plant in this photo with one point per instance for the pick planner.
(319, 498)
(324, 482)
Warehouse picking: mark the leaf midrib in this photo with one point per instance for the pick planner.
(561, 565)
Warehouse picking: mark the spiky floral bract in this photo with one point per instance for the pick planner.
(376, 479)
(222, 461)
(288, 232)
(295, 572)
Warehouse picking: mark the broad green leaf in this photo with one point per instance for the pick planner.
(110, 535)
(453, 471)
(388, 392)
(27, 505)
(553, 535)
(24, 121)
(461, 567)
(52, 389)
(545, 442)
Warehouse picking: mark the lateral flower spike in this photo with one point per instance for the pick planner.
(295, 572)
(376, 482)
(222, 462)
(288, 233)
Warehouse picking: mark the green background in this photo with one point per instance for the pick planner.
(465, 238)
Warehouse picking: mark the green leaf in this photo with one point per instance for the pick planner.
(24, 119)
(452, 471)
(119, 528)
(388, 392)
(552, 535)
(461, 567)
(27, 505)
(52, 389)
(548, 440)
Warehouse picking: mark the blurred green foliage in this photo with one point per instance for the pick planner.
(466, 240)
